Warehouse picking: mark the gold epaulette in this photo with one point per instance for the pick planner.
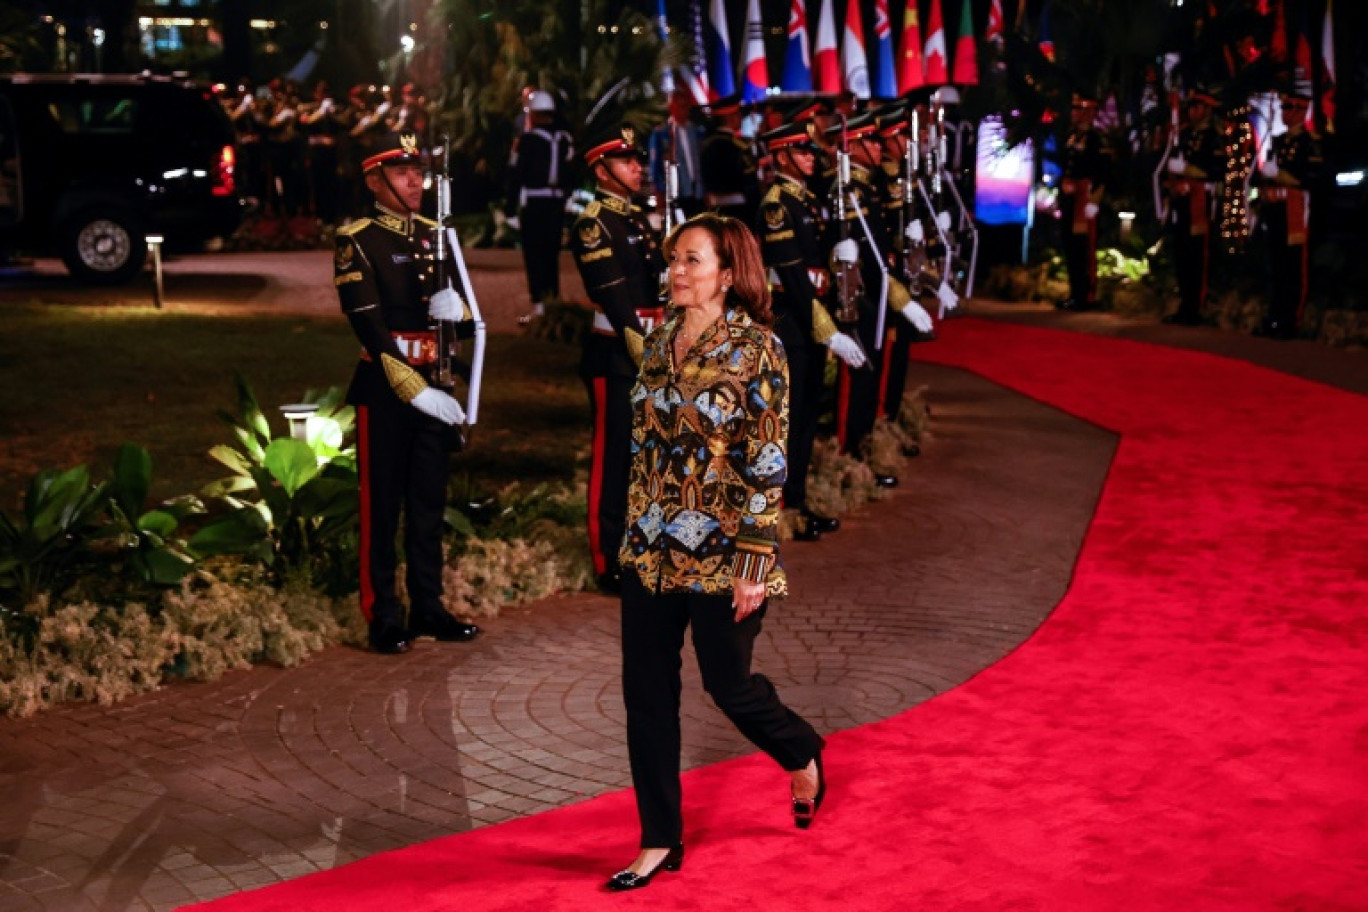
(591, 210)
(891, 168)
(431, 223)
(349, 229)
(772, 194)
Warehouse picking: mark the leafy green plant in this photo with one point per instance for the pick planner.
(293, 504)
(148, 541)
(1113, 264)
(43, 549)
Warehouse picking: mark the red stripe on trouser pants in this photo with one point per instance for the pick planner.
(842, 403)
(363, 467)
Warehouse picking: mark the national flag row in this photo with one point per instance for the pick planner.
(823, 68)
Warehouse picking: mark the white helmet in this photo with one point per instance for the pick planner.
(541, 101)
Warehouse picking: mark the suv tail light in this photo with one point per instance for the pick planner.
(224, 185)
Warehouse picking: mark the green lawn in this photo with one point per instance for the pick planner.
(78, 381)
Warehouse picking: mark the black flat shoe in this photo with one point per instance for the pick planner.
(805, 809)
(624, 880)
(821, 524)
(390, 641)
(444, 628)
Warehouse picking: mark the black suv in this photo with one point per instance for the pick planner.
(91, 165)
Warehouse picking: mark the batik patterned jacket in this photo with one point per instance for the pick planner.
(709, 459)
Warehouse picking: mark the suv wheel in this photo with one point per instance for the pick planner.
(103, 247)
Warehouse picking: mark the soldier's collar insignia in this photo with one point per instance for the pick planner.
(615, 203)
(396, 223)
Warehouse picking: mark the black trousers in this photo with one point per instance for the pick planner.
(652, 637)
(610, 400)
(1080, 254)
(323, 180)
(403, 467)
(897, 355)
(857, 394)
(1287, 269)
(807, 376)
(541, 243)
(1191, 261)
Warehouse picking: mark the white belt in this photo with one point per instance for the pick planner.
(649, 317)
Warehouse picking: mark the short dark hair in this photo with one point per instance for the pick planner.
(738, 251)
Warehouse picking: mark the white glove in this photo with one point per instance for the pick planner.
(1090, 210)
(914, 232)
(446, 305)
(513, 222)
(943, 219)
(325, 106)
(948, 299)
(846, 251)
(1177, 164)
(847, 349)
(918, 317)
(1270, 168)
(440, 405)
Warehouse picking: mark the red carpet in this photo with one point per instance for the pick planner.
(1188, 730)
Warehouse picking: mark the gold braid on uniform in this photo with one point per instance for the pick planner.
(823, 327)
(405, 381)
(898, 295)
(636, 345)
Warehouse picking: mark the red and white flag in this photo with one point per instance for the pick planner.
(1327, 98)
(934, 53)
(854, 61)
(910, 75)
(825, 63)
(996, 27)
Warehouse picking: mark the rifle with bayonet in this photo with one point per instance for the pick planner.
(450, 333)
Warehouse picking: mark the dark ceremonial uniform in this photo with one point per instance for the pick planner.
(322, 136)
(1083, 172)
(899, 334)
(1191, 201)
(730, 172)
(1283, 214)
(621, 265)
(794, 250)
(857, 395)
(539, 172)
(384, 268)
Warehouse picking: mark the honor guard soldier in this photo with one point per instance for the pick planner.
(731, 181)
(1082, 176)
(795, 252)
(867, 243)
(385, 276)
(1193, 170)
(621, 265)
(1284, 204)
(901, 335)
(540, 170)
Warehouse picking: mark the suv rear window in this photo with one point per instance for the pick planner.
(99, 115)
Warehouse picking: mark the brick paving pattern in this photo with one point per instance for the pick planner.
(201, 790)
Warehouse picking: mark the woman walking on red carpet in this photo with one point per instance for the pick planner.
(709, 435)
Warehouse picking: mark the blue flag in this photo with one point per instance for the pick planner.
(797, 58)
(722, 81)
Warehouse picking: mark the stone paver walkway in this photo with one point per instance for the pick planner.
(200, 790)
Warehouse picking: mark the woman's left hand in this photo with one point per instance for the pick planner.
(746, 597)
